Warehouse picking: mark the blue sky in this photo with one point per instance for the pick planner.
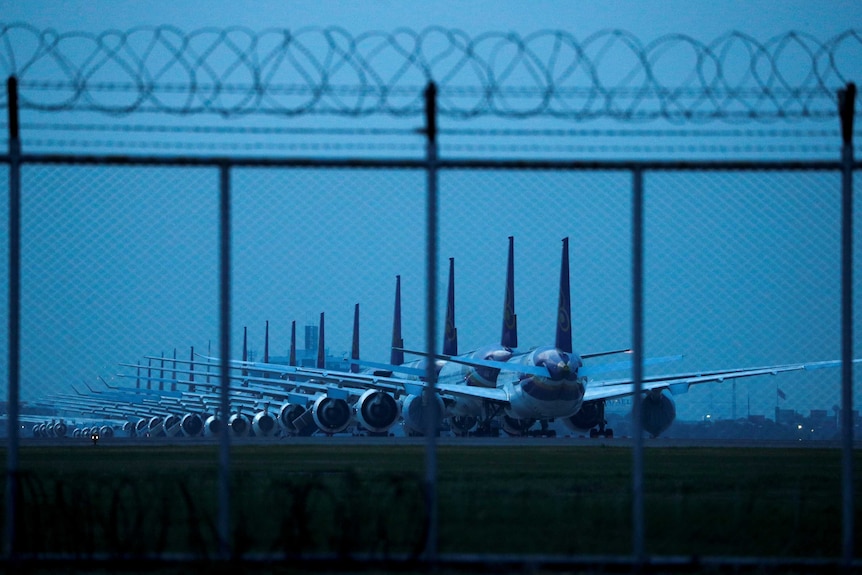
(733, 279)
(699, 18)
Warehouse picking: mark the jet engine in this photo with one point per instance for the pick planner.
(156, 426)
(172, 425)
(413, 413)
(105, 432)
(60, 429)
(586, 418)
(239, 425)
(263, 424)
(212, 426)
(377, 410)
(331, 415)
(463, 424)
(129, 429)
(516, 427)
(141, 427)
(658, 411)
(192, 425)
(287, 414)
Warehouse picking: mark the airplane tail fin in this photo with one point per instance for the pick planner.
(245, 348)
(510, 320)
(354, 351)
(397, 355)
(174, 375)
(450, 335)
(321, 354)
(564, 308)
(192, 368)
(266, 344)
(292, 359)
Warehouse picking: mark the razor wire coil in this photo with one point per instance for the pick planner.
(610, 74)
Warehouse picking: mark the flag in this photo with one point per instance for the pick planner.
(780, 393)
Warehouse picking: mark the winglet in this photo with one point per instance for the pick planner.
(450, 335)
(564, 309)
(397, 356)
(354, 350)
(510, 320)
(321, 355)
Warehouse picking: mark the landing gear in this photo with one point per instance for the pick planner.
(601, 430)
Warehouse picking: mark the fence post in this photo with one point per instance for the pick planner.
(846, 103)
(637, 366)
(224, 367)
(432, 417)
(13, 423)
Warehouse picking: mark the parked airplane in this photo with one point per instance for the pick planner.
(545, 383)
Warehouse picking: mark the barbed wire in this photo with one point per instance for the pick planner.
(608, 74)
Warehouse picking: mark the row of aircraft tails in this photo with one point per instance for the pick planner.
(478, 392)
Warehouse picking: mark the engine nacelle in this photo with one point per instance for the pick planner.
(192, 425)
(377, 410)
(105, 432)
(287, 414)
(212, 426)
(50, 429)
(37, 430)
(172, 425)
(658, 411)
(263, 424)
(141, 427)
(156, 426)
(516, 427)
(60, 429)
(331, 415)
(414, 413)
(239, 425)
(463, 424)
(586, 418)
(76, 432)
(129, 429)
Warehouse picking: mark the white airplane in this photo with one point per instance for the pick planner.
(548, 382)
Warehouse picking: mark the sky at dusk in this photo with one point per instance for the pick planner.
(742, 269)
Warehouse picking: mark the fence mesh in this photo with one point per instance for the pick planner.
(120, 275)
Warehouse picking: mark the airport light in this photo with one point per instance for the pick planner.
(95, 438)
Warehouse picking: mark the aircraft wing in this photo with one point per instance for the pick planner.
(679, 383)
(392, 384)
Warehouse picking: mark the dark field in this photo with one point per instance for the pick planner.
(547, 499)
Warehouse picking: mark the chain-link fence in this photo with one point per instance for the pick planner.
(137, 274)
